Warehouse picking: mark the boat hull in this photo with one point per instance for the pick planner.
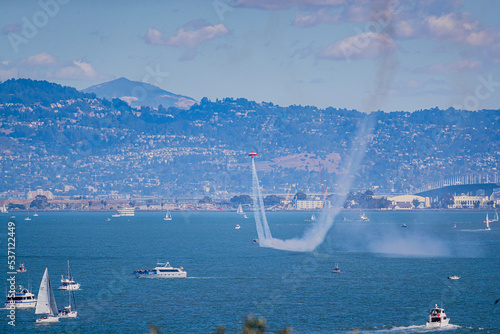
(21, 305)
(72, 314)
(443, 323)
(47, 319)
(72, 287)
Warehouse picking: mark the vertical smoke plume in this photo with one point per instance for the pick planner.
(316, 234)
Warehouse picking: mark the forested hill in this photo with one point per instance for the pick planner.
(29, 92)
(80, 144)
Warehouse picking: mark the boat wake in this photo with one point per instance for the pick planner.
(412, 329)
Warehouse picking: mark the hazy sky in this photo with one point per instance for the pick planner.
(368, 55)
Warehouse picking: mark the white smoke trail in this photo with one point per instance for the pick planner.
(263, 230)
(315, 235)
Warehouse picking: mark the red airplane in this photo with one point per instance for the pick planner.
(252, 154)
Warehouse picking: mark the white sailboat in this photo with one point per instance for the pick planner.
(3, 209)
(487, 221)
(67, 311)
(46, 303)
(240, 210)
(313, 217)
(168, 216)
(69, 283)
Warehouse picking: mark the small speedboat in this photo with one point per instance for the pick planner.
(108, 219)
(454, 277)
(255, 241)
(437, 318)
(237, 227)
(404, 225)
(336, 270)
(21, 269)
(455, 226)
(35, 215)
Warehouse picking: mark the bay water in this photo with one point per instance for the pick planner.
(390, 276)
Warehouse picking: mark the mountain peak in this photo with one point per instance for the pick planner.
(137, 93)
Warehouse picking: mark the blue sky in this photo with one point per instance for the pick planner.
(361, 54)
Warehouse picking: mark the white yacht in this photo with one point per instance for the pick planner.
(22, 298)
(453, 277)
(162, 270)
(237, 227)
(128, 212)
(68, 283)
(437, 318)
(46, 303)
(168, 216)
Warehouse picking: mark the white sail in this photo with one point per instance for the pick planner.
(240, 210)
(46, 303)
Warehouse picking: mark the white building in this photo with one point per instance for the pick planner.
(32, 194)
(466, 201)
(309, 204)
(404, 201)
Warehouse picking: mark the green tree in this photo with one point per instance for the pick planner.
(300, 196)
(40, 202)
(272, 200)
(415, 202)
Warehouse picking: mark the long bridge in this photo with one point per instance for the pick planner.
(469, 185)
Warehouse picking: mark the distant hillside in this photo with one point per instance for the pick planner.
(140, 94)
(28, 92)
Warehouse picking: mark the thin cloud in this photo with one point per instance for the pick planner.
(361, 46)
(285, 4)
(185, 37)
(460, 66)
(80, 70)
(42, 59)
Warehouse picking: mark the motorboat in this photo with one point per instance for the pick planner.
(404, 225)
(35, 215)
(108, 219)
(454, 277)
(21, 298)
(162, 270)
(21, 269)
(46, 303)
(68, 283)
(115, 215)
(336, 270)
(363, 217)
(237, 227)
(437, 318)
(168, 216)
(455, 226)
(255, 241)
(245, 216)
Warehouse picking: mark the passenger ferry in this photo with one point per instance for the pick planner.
(127, 212)
(162, 270)
(437, 318)
(22, 298)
